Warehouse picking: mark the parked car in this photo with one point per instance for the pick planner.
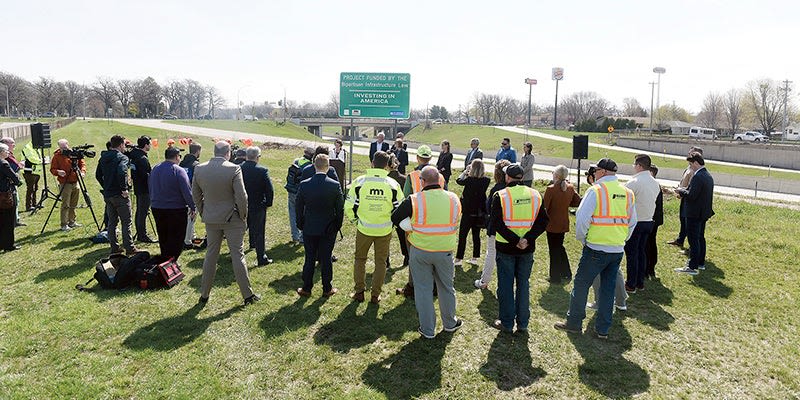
(169, 116)
(248, 117)
(48, 114)
(207, 116)
(750, 136)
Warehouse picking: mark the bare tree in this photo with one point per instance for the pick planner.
(215, 101)
(173, 96)
(50, 95)
(485, 105)
(76, 94)
(584, 105)
(147, 96)
(632, 108)
(765, 100)
(712, 112)
(105, 89)
(20, 93)
(732, 103)
(124, 92)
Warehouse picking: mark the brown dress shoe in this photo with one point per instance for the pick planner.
(407, 291)
(375, 300)
(358, 296)
(303, 293)
(331, 292)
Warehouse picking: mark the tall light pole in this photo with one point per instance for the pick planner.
(239, 103)
(659, 71)
(558, 74)
(530, 82)
(652, 90)
(785, 89)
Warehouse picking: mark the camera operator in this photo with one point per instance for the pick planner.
(61, 167)
(112, 173)
(140, 173)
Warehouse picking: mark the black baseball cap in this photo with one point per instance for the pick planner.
(607, 164)
(514, 171)
(171, 152)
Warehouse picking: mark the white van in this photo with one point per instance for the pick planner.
(791, 134)
(697, 132)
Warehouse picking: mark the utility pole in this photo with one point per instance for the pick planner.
(652, 93)
(785, 106)
(530, 82)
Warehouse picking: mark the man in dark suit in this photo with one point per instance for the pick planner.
(699, 197)
(320, 211)
(308, 171)
(378, 145)
(475, 152)
(259, 197)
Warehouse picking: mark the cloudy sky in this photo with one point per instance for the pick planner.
(452, 49)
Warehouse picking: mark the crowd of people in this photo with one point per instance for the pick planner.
(232, 193)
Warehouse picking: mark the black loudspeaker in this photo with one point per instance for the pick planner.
(40, 136)
(580, 147)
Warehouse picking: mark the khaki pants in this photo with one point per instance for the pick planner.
(70, 193)
(363, 243)
(234, 232)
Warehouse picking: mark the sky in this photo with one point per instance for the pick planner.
(257, 50)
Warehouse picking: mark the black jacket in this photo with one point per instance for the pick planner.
(188, 163)
(320, 206)
(699, 196)
(140, 170)
(258, 185)
(112, 173)
(8, 178)
(501, 229)
(373, 148)
(473, 198)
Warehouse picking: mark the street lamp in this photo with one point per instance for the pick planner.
(530, 82)
(659, 71)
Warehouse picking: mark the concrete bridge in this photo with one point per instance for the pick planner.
(390, 127)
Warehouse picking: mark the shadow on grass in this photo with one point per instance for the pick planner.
(555, 299)
(36, 237)
(488, 307)
(711, 279)
(350, 330)
(222, 278)
(292, 317)
(289, 283)
(413, 371)
(83, 264)
(604, 369)
(465, 278)
(285, 252)
(73, 244)
(509, 363)
(173, 332)
(646, 306)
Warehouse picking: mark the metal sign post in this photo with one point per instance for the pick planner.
(558, 74)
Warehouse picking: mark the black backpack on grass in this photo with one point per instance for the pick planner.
(116, 271)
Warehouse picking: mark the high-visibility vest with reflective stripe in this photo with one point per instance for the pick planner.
(416, 180)
(373, 194)
(520, 205)
(609, 224)
(434, 220)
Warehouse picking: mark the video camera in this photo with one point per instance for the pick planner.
(80, 152)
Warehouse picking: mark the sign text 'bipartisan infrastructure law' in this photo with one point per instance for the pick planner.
(374, 95)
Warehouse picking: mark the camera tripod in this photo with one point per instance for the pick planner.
(84, 191)
(46, 192)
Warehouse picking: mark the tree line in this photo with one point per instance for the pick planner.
(137, 98)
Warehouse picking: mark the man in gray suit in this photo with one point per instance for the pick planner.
(221, 200)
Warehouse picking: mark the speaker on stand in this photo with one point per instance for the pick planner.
(40, 139)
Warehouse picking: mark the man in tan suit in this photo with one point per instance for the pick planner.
(221, 200)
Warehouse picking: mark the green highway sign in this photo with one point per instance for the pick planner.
(374, 95)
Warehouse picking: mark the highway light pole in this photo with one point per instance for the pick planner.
(239, 103)
(652, 91)
(659, 71)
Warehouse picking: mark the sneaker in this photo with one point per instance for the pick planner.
(457, 262)
(499, 326)
(629, 289)
(252, 299)
(473, 261)
(591, 306)
(564, 327)
(701, 267)
(621, 308)
(65, 228)
(75, 225)
(424, 335)
(687, 270)
(459, 324)
(599, 335)
(479, 284)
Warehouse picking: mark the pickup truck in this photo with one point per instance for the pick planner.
(750, 136)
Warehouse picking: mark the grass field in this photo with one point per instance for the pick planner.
(460, 135)
(730, 332)
(265, 127)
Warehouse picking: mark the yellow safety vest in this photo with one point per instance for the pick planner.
(416, 180)
(376, 196)
(609, 224)
(434, 220)
(520, 206)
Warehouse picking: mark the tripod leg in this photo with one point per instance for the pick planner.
(57, 199)
(88, 200)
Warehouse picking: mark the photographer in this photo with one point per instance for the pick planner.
(112, 173)
(140, 173)
(62, 167)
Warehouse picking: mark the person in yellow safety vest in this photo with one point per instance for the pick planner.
(370, 201)
(31, 175)
(518, 217)
(431, 219)
(603, 223)
(414, 185)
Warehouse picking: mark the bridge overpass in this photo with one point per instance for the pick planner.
(390, 127)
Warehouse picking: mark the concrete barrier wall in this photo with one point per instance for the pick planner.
(780, 156)
(24, 131)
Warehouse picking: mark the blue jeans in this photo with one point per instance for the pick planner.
(636, 254)
(696, 234)
(297, 235)
(593, 263)
(513, 269)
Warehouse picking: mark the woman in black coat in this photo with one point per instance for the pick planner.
(8, 184)
(444, 161)
(473, 209)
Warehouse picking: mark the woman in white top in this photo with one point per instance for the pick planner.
(338, 160)
(338, 152)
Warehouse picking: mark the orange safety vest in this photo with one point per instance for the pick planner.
(416, 180)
